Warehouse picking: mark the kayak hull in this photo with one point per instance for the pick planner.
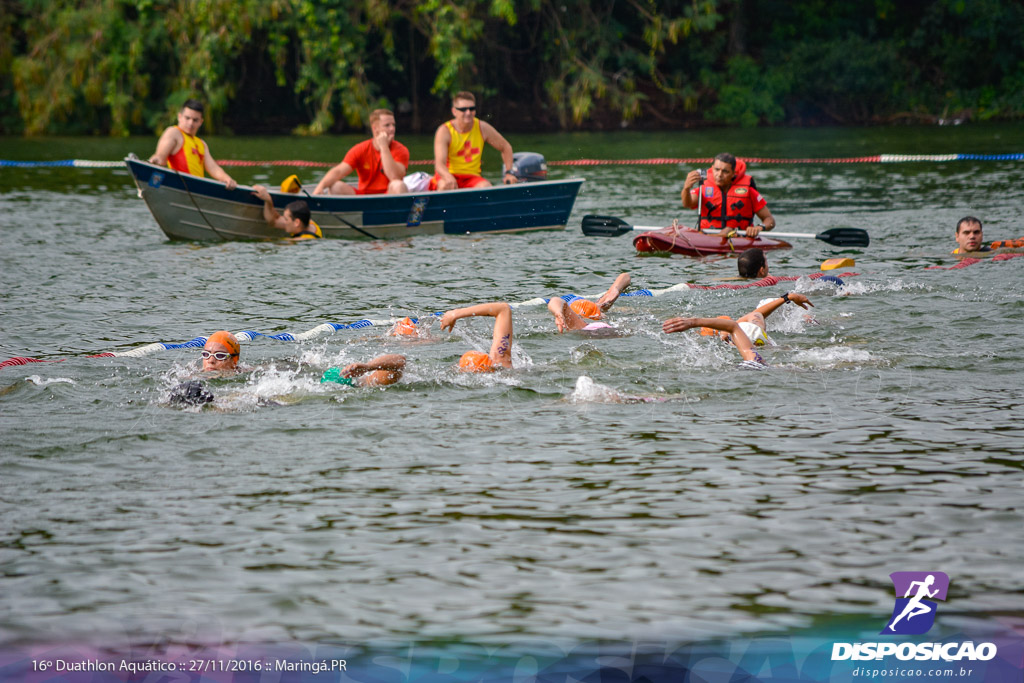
(690, 242)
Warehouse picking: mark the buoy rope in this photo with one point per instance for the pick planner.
(250, 335)
(659, 161)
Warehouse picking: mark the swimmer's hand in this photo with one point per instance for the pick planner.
(678, 325)
(261, 193)
(449, 318)
(800, 300)
(355, 369)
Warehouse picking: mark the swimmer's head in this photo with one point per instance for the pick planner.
(404, 328)
(586, 309)
(221, 352)
(476, 361)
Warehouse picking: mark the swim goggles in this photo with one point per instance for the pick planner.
(219, 355)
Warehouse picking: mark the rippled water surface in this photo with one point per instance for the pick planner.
(885, 437)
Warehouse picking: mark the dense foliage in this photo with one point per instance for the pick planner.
(312, 66)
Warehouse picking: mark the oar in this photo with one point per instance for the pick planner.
(612, 226)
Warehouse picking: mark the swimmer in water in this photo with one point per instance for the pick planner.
(745, 333)
(379, 372)
(500, 355)
(585, 315)
(220, 355)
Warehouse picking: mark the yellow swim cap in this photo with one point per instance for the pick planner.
(475, 361)
(587, 309)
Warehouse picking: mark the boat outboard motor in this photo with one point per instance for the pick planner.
(528, 167)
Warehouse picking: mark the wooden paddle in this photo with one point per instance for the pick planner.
(612, 226)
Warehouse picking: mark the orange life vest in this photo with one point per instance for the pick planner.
(736, 210)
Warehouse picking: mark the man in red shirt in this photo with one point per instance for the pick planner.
(380, 162)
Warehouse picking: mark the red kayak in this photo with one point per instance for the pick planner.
(683, 240)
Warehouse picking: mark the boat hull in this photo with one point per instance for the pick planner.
(188, 207)
(690, 242)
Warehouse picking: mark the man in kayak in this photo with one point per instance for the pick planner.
(744, 333)
(752, 263)
(296, 220)
(459, 147)
(180, 149)
(729, 199)
(378, 372)
(380, 162)
(500, 355)
(969, 236)
(585, 315)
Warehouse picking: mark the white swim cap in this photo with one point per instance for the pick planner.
(756, 335)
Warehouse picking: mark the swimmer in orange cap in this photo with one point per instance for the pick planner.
(745, 333)
(379, 372)
(220, 354)
(586, 315)
(404, 328)
(500, 355)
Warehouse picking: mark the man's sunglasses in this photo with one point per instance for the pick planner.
(219, 355)
(465, 108)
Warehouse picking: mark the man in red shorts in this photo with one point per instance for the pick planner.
(380, 162)
(459, 147)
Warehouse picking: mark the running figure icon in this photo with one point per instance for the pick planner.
(915, 607)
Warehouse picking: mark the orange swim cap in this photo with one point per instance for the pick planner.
(708, 332)
(404, 328)
(226, 339)
(587, 309)
(475, 361)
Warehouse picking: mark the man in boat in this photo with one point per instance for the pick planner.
(585, 315)
(296, 220)
(500, 355)
(752, 263)
(459, 147)
(729, 200)
(180, 149)
(379, 162)
(378, 372)
(744, 333)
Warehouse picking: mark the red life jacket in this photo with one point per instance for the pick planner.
(736, 210)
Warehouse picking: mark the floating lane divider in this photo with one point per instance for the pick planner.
(659, 161)
(250, 335)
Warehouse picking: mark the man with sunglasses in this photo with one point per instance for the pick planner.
(459, 147)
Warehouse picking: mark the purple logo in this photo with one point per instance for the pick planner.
(914, 611)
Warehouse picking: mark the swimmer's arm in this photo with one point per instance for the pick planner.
(770, 307)
(270, 214)
(739, 337)
(492, 310)
(609, 297)
(392, 362)
(557, 307)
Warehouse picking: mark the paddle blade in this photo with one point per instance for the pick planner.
(605, 226)
(845, 237)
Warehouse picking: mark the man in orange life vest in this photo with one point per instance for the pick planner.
(730, 200)
(458, 148)
(180, 149)
(380, 162)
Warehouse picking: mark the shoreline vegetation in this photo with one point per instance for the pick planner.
(312, 67)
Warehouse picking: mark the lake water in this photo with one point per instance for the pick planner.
(887, 435)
